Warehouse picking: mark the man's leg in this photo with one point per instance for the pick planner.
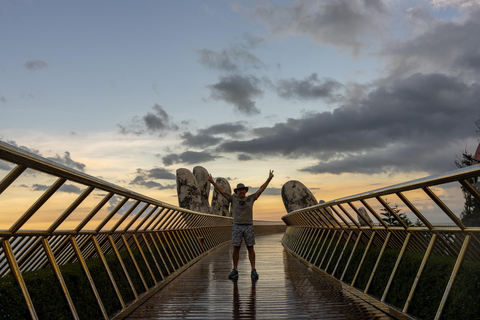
(251, 256)
(235, 256)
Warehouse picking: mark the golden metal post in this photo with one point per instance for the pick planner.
(363, 258)
(130, 253)
(359, 236)
(57, 272)
(328, 247)
(109, 272)
(397, 263)
(377, 262)
(343, 250)
(89, 276)
(153, 256)
(119, 258)
(458, 263)
(334, 249)
(144, 258)
(419, 273)
(321, 248)
(7, 249)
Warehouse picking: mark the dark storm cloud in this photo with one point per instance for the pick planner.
(207, 137)
(144, 178)
(414, 118)
(67, 161)
(230, 129)
(35, 64)
(450, 47)
(342, 23)
(200, 140)
(244, 157)
(188, 157)
(156, 122)
(310, 88)
(159, 173)
(239, 91)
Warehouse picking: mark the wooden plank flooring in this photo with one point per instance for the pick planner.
(287, 289)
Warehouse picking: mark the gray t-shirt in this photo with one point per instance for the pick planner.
(242, 208)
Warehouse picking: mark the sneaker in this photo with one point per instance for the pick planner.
(233, 274)
(254, 274)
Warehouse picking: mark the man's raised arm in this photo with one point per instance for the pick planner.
(264, 185)
(210, 179)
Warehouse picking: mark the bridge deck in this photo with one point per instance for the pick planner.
(286, 289)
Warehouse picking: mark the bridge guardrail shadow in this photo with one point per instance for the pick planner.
(122, 248)
(430, 270)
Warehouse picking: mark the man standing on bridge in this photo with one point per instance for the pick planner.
(242, 208)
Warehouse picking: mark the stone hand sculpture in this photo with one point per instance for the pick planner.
(296, 196)
(193, 190)
(220, 205)
(364, 216)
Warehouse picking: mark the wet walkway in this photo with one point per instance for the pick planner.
(287, 289)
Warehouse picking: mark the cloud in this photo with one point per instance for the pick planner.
(270, 191)
(409, 124)
(144, 178)
(238, 91)
(344, 24)
(206, 138)
(35, 65)
(156, 122)
(115, 200)
(188, 157)
(199, 140)
(231, 60)
(5, 166)
(310, 88)
(230, 129)
(67, 161)
(244, 157)
(3, 100)
(24, 148)
(236, 59)
(67, 188)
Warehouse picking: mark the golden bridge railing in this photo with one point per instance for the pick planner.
(147, 242)
(393, 262)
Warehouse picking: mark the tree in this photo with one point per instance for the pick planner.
(470, 215)
(390, 218)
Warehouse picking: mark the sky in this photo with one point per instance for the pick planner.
(344, 96)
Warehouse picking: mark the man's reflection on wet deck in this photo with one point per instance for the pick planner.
(250, 311)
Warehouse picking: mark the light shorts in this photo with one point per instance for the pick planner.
(243, 230)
